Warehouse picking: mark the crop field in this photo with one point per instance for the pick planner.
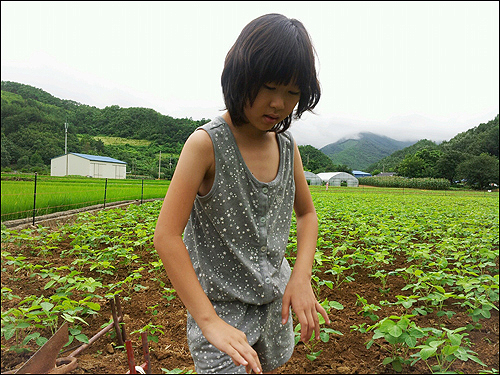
(54, 194)
(410, 282)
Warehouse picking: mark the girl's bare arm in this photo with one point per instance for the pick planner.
(195, 164)
(299, 293)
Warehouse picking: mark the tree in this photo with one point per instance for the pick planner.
(23, 161)
(315, 161)
(391, 162)
(421, 164)
(446, 166)
(479, 171)
(412, 166)
(36, 160)
(6, 157)
(341, 168)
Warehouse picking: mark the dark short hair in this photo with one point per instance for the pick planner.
(271, 48)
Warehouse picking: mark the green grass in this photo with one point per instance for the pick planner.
(122, 141)
(56, 194)
(61, 194)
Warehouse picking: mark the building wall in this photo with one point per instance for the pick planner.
(76, 166)
(58, 166)
(83, 167)
(107, 170)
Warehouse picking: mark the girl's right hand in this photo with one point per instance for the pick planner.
(234, 343)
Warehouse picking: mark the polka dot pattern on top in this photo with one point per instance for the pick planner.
(237, 233)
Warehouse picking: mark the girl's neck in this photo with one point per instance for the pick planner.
(246, 132)
(259, 150)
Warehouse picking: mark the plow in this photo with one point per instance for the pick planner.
(46, 359)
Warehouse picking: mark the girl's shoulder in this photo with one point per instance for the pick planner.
(216, 123)
(287, 138)
(199, 142)
(203, 137)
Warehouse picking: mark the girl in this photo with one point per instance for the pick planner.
(237, 181)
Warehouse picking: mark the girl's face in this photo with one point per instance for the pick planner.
(272, 104)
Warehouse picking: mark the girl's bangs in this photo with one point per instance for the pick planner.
(284, 67)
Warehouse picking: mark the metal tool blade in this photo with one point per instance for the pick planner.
(45, 358)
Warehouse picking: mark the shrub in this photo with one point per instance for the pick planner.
(402, 182)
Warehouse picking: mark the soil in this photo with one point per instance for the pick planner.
(345, 354)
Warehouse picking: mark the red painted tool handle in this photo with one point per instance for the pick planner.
(130, 356)
(145, 349)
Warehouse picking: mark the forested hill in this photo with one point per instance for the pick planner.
(32, 133)
(482, 139)
(367, 149)
(32, 124)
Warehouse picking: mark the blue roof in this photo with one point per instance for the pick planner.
(360, 173)
(98, 158)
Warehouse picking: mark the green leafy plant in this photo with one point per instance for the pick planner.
(324, 336)
(400, 334)
(152, 330)
(361, 328)
(177, 371)
(445, 347)
(368, 309)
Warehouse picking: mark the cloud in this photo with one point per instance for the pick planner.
(321, 131)
(43, 71)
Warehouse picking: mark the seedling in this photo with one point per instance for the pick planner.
(445, 347)
(151, 329)
(324, 336)
(401, 334)
(368, 309)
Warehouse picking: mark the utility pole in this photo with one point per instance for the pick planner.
(159, 165)
(66, 144)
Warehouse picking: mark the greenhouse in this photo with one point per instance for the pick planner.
(312, 178)
(339, 179)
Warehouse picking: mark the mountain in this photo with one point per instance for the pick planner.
(33, 131)
(389, 163)
(479, 139)
(364, 150)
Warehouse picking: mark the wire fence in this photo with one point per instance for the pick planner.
(33, 196)
(403, 190)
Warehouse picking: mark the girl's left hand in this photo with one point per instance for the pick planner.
(300, 296)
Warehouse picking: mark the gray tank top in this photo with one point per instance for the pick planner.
(237, 233)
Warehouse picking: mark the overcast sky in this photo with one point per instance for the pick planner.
(407, 70)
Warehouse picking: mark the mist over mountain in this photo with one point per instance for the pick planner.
(33, 132)
(362, 150)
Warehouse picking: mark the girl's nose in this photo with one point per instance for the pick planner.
(277, 102)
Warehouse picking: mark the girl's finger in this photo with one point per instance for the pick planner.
(323, 312)
(246, 356)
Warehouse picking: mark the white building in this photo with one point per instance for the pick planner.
(87, 165)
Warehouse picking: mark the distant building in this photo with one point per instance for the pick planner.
(359, 174)
(87, 165)
(386, 174)
(337, 178)
(312, 178)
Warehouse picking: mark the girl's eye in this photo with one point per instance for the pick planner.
(294, 92)
(269, 87)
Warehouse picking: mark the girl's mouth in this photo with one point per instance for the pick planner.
(271, 119)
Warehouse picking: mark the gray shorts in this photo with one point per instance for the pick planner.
(273, 342)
